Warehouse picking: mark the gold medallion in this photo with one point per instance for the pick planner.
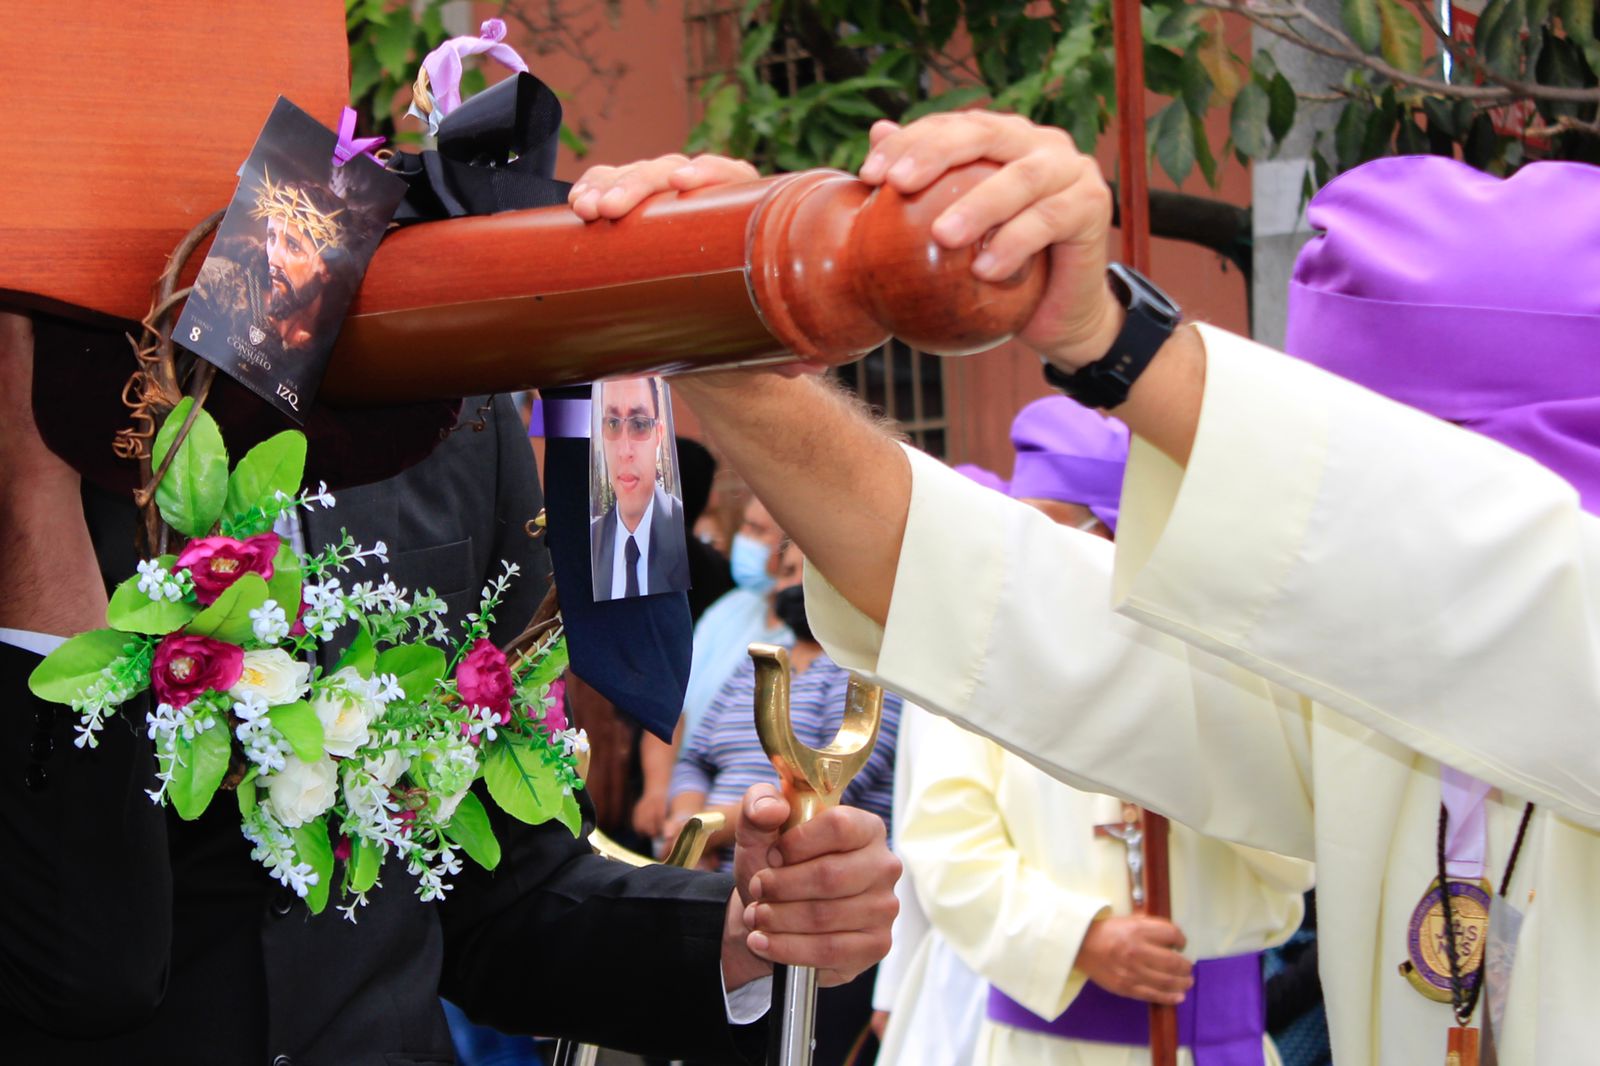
(1427, 945)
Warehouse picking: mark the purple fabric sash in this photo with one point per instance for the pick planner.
(1222, 1020)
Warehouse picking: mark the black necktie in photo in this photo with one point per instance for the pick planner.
(630, 562)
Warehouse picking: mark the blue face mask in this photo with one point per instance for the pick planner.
(748, 559)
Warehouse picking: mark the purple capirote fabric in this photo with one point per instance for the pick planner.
(1221, 1021)
(1069, 453)
(1470, 297)
(987, 478)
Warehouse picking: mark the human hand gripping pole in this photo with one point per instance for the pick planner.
(812, 781)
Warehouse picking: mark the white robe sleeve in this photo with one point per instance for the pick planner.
(1002, 620)
(1429, 583)
(1015, 925)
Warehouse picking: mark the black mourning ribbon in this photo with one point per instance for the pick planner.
(496, 152)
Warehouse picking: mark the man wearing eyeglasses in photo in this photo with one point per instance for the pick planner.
(638, 545)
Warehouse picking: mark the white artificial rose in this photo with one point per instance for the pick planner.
(448, 805)
(272, 676)
(301, 791)
(345, 714)
(384, 770)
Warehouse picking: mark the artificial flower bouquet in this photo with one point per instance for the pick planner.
(338, 765)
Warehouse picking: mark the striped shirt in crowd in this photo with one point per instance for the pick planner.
(723, 757)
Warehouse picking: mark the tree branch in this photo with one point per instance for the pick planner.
(1278, 21)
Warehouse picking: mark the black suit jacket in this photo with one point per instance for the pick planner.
(668, 564)
(132, 937)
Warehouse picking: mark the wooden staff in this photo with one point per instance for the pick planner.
(815, 264)
(813, 780)
(1133, 195)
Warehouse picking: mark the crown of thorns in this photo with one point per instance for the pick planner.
(288, 203)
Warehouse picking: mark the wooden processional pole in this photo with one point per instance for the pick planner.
(1133, 202)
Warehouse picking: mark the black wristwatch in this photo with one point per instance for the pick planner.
(1152, 316)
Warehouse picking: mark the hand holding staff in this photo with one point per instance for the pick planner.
(813, 780)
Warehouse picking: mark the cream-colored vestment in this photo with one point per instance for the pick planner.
(1007, 864)
(1335, 595)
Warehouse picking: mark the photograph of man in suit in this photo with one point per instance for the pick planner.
(637, 543)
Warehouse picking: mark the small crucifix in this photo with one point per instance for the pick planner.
(1130, 831)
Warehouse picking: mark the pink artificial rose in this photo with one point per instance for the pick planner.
(341, 850)
(186, 667)
(555, 716)
(217, 562)
(484, 680)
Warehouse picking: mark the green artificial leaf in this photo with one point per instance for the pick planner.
(245, 793)
(76, 665)
(1280, 115)
(360, 654)
(132, 611)
(470, 828)
(191, 494)
(1363, 22)
(228, 617)
(312, 846)
(199, 768)
(275, 465)
(520, 782)
(548, 668)
(1400, 41)
(570, 814)
(301, 727)
(283, 588)
(1174, 141)
(418, 667)
(363, 865)
(1248, 121)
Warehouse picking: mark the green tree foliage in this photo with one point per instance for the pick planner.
(1523, 83)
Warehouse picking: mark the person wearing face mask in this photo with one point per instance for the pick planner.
(722, 635)
(723, 755)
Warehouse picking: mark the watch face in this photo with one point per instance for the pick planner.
(1138, 292)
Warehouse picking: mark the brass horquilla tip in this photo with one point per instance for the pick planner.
(813, 779)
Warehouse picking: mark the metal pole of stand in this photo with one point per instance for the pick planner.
(813, 780)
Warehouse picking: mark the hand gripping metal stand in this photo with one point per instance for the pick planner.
(813, 781)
